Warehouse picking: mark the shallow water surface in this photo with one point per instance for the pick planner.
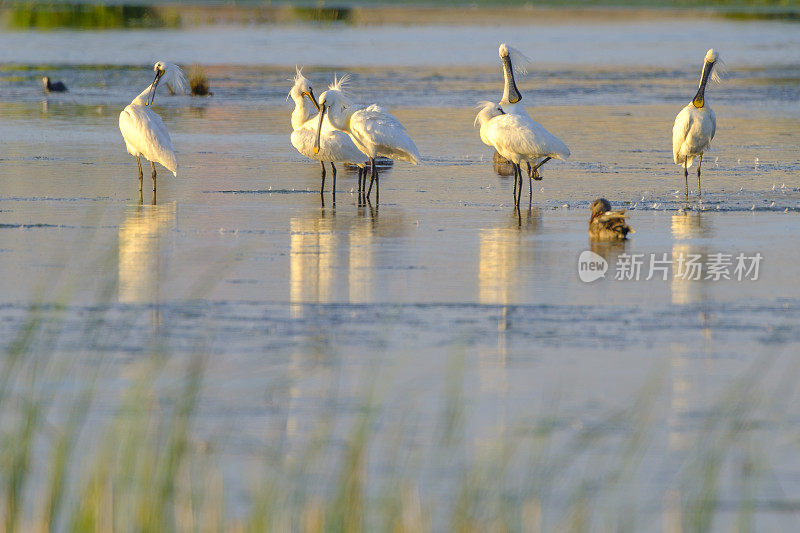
(301, 302)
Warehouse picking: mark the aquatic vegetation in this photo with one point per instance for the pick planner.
(322, 13)
(198, 82)
(45, 16)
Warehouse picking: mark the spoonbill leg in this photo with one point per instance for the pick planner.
(514, 192)
(141, 176)
(699, 163)
(373, 177)
(686, 178)
(530, 190)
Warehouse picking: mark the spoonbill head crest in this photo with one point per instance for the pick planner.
(340, 84)
(712, 58)
(302, 87)
(171, 74)
(334, 101)
(518, 60)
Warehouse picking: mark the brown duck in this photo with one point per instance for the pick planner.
(607, 225)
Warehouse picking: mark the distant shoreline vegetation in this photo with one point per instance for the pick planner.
(89, 15)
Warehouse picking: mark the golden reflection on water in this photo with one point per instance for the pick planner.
(687, 364)
(687, 226)
(333, 258)
(313, 261)
(143, 237)
(502, 255)
(361, 268)
(498, 265)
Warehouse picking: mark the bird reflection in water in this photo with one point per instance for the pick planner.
(505, 255)
(145, 238)
(333, 256)
(314, 260)
(608, 250)
(361, 255)
(685, 228)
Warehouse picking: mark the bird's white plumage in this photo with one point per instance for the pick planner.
(692, 133)
(517, 133)
(143, 130)
(174, 78)
(375, 131)
(517, 137)
(378, 133)
(336, 146)
(694, 127)
(145, 135)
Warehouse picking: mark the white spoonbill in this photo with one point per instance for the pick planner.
(695, 125)
(375, 131)
(517, 139)
(144, 131)
(335, 146)
(548, 146)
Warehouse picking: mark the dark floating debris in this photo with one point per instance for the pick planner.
(32, 226)
(264, 191)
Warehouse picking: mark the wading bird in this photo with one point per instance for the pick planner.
(517, 139)
(335, 146)
(144, 131)
(607, 225)
(375, 131)
(53, 87)
(695, 125)
(531, 142)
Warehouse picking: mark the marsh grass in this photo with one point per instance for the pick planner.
(198, 82)
(49, 16)
(144, 468)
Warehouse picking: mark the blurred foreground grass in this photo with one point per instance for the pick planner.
(69, 461)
